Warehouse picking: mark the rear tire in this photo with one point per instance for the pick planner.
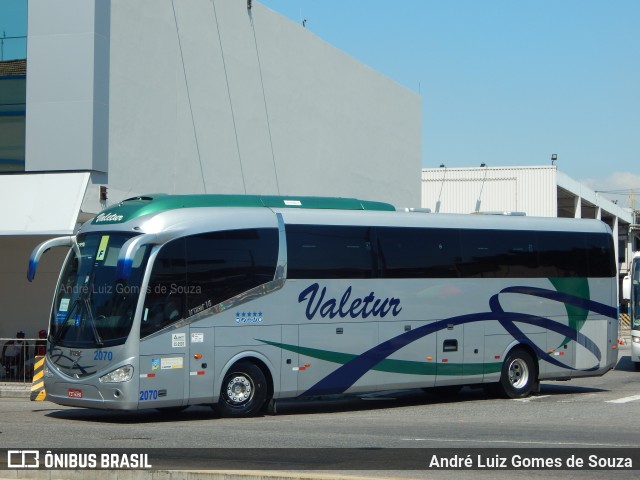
(637, 365)
(243, 391)
(519, 376)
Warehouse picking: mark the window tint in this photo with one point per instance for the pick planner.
(418, 252)
(563, 254)
(165, 301)
(600, 255)
(316, 251)
(194, 273)
(224, 264)
(498, 253)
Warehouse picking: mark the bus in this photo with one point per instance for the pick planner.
(631, 293)
(166, 301)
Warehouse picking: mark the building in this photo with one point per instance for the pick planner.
(185, 96)
(541, 191)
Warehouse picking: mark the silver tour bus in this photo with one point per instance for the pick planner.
(166, 301)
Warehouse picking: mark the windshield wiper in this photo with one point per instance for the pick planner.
(65, 323)
(92, 320)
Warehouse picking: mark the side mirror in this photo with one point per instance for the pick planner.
(41, 249)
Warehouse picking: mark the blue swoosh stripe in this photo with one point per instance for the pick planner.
(583, 303)
(346, 375)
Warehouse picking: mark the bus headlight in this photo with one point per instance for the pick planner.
(122, 374)
(635, 339)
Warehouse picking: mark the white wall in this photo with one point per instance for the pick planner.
(205, 97)
(460, 190)
(67, 85)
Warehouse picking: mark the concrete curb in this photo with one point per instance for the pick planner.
(15, 390)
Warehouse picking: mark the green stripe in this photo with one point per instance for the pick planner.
(407, 367)
(578, 287)
(154, 203)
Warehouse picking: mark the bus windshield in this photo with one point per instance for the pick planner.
(91, 309)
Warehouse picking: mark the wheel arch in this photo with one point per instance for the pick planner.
(258, 359)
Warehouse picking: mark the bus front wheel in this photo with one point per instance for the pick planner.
(243, 391)
(518, 376)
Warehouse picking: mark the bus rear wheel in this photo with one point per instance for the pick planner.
(518, 376)
(243, 391)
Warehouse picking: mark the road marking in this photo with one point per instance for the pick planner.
(530, 399)
(516, 442)
(582, 397)
(632, 398)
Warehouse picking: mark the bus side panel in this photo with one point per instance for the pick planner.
(201, 364)
(289, 364)
(450, 355)
(413, 366)
(601, 330)
(163, 368)
(331, 345)
(474, 353)
(161, 381)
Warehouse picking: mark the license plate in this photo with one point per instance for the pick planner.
(74, 393)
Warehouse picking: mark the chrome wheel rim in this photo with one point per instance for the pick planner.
(239, 390)
(518, 373)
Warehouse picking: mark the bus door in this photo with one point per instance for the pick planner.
(450, 355)
(162, 369)
(201, 364)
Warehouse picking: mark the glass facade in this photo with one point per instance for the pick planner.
(13, 90)
(13, 85)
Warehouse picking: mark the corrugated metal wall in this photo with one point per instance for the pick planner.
(463, 190)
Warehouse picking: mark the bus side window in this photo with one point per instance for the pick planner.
(418, 252)
(165, 299)
(221, 265)
(329, 251)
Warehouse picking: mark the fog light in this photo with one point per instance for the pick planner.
(122, 374)
(635, 339)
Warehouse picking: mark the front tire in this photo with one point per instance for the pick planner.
(518, 376)
(243, 391)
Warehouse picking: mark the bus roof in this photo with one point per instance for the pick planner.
(148, 204)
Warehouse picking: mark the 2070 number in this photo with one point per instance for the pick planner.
(100, 355)
(148, 395)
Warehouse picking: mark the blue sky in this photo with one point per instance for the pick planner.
(503, 82)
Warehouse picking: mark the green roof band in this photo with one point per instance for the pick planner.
(154, 203)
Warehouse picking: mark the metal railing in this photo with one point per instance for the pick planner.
(17, 359)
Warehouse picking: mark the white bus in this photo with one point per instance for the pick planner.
(238, 301)
(631, 293)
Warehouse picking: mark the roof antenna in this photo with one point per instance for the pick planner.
(479, 201)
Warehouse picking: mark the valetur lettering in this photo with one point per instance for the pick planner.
(365, 307)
